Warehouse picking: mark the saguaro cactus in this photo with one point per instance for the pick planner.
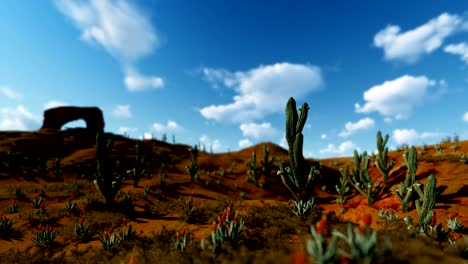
(105, 181)
(425, 211)
(253, 174)
(193, 169)
(381, 160)
(266, 163)
(361, 179)
(405, 192)
(296, 179)
(139, 170)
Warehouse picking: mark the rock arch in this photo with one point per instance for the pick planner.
(56, 118)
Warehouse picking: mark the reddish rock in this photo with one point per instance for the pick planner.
(55, 118)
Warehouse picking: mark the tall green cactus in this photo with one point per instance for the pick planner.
(106, 182)
(381, 160)
(343, 188)
(405, 192)
(267, 164)
(253, 174)
(193, 169)
(361, 179)
(138, 171)
(425, 211)
(411, 161)
(296, 179)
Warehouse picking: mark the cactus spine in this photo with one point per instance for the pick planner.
(104, 181)
(425, 211)
(381, 161)
(253, 174)
(295, 179)
(193, 169)
(267, 164)
(405, 192)
(361, 178)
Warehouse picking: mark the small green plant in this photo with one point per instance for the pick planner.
(453, 147)
(464, 159)
(387, 215)
(454, 225)
(456, 138)
(303, 209)
(335, 163)
(233, 166)
(83, 232)
(6, 226)
(19, 193)
(70, 204)
(13, 208)
(180, 240)
(193, 169)
(37, 201)
(129, 233)
(188, 208)
(222, 173)
(228, 229)
(110, 241)
(12, 161)
(139, 171)
(162, 174)
(446, 140)
(45, 236)
(317, 246)
(146, 191)
(362, 241)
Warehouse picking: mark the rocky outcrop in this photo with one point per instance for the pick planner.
(55, 118)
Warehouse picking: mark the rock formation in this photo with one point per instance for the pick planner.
(55, 118)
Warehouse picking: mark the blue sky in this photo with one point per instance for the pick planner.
(220, 72)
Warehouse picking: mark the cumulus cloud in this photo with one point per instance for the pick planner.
(136, 82)
(361, 125)
(147, 135)
(412, 137)
(209, 143)
(261, 91)
(122, 111)
(10, 93)
(53, 104)
(171, 126)
(460, 49)
(465, 117)
(398, 97)
(121, 29)
(409, 46)
(323, 136)
(244, 143)
(344, 149)
(19, 118)
(257, 130)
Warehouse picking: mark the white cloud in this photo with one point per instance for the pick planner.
(262, 90)
(18, 119)
(122, 111)
(344, 149)
(398, 97)
(243, 143)
(10, 93)
(283, 142)
(465, 117)
(458, 49)
(323, 136)
(171, 126)
(121, 29)
(409, 46)
(147, 135)
(214, 144)
(54, 103)
(412, 137)
(361, 125)
(257, 130)
(127, 130)
(136, 82)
